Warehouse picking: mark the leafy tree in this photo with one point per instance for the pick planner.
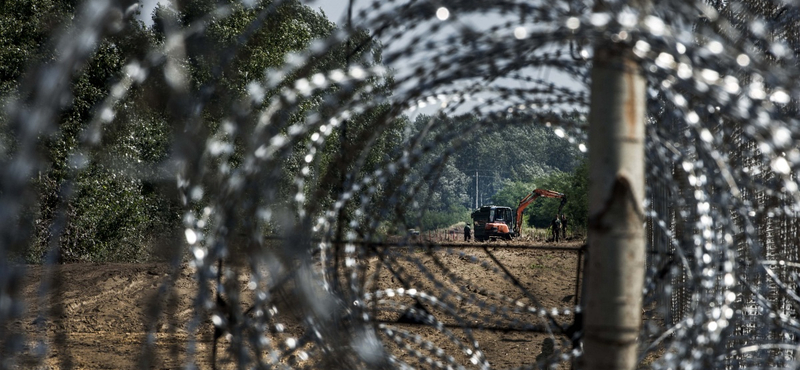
(246, 48)
(84, 192)
(115, 196)
(512, 192)
(540, 213)
(520, 151)
(510, 161)
(544, 210)
(25, 28)
(577, 207)
(113, 211)
(574, 186)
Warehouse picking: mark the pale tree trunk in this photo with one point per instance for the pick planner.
(616, 263)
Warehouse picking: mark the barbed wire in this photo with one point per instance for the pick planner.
(722, 197)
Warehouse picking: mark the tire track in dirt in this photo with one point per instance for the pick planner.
(105, 322)
(104, 313)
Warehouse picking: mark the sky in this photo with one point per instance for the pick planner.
(336, 10)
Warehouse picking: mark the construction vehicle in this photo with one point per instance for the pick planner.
(493, 222)
(530, 198)
(498, 222)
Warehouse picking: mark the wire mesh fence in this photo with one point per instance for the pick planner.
(266, 157)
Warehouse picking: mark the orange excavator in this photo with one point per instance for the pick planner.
(497, 222)
(530, 198)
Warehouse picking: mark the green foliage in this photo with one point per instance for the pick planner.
(25, 26)
(93, 205)
(223, 57)
(545, 209)
(541, 212)
(520, 151)
(109, 214)
(510, 163)
(511, 193)
(110, 202)
(573, 185)
(577, 208)
(437, 219)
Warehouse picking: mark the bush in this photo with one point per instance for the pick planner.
(108, 218)
(432, 220)
(541, 212)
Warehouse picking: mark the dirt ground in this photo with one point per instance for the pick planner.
(102, 312)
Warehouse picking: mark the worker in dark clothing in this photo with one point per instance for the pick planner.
(564, 227)
(467, 233)
(556, 225)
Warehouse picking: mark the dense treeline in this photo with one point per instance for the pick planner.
(110, 194)
(99, 209)
(114, 197)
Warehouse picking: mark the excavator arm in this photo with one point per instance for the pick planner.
(530, 198)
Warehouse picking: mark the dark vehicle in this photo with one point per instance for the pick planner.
(492, 222)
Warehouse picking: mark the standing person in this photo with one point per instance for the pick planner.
(556, 225)
(467, 232)
(564, 227)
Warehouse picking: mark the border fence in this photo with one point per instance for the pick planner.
(230, 121)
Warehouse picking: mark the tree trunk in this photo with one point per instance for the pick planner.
(616, 262)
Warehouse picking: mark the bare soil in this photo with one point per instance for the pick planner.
(97, 315)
